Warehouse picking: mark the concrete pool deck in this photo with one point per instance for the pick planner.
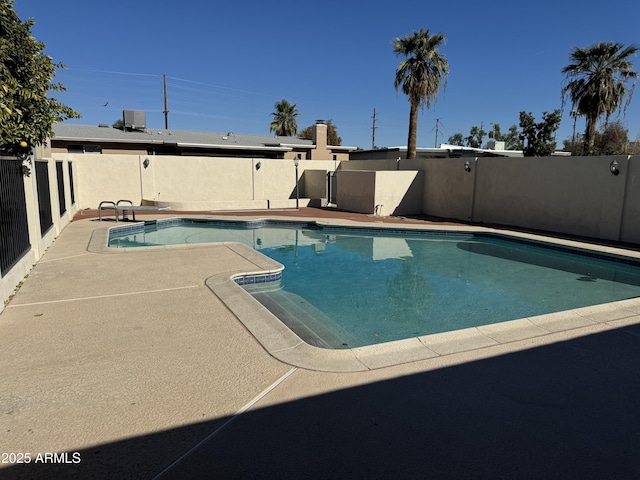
(132, 361)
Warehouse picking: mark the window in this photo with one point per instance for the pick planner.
(84, 148)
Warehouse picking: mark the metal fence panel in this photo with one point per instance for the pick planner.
(14, 227)
(62, 202)
(71, 190)
(44, 196)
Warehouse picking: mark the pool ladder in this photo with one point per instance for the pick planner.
(115, 205)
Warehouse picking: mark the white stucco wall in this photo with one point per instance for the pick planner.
(315, 183)
(551, 193)
(39, 241)
(448, 187)
(398, 192)
(190, 183)
(382, 193)
(572, 195)
(356, 190)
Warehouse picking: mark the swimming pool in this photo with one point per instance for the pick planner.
(350, 287)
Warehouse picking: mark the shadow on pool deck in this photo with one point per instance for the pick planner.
(569, 410)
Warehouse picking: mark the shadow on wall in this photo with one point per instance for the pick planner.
(300, 186)
(567, 410)
(411, 201)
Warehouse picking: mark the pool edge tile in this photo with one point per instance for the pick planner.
(606, 312)
(513, 330)
(561, 321)
(457, 341)
(393, 353)
(624, 322)
(309, 357)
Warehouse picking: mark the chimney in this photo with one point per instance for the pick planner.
(321, 152)
(320, 135)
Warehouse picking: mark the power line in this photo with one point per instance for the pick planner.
(114, 73)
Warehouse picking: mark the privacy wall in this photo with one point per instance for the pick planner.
(37, 200)
(194, 183)
(566, 195)
(569, 195)
(383, 193)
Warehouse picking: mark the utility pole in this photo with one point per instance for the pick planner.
(574, 115)
(373, 131)
(437, 124)
(166, 110)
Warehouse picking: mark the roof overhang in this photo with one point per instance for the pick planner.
(107, 140)
(234, 147)
(340, 147)
(296, 145)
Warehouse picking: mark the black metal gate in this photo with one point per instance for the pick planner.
(71, 191)
(61, 198)
(44, 196)
(332, 187)
(14, 228)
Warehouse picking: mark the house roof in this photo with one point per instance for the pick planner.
(180, 138)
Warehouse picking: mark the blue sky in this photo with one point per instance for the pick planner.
(227, 64)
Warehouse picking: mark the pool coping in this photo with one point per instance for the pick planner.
(283, 344)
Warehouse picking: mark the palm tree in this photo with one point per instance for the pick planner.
(284, 118)
(420, 75)
(597, 81)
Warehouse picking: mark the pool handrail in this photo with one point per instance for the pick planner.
(107, 204)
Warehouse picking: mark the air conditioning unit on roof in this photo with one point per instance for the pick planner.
(134, 120)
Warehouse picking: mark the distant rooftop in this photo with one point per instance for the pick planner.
(74, 132)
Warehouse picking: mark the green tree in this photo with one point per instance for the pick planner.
(540, 137)
(420, 75)
(456, 139)
(495, 133)
(511, 139)
(613, 140)
(476, 136)
(118, 124)
(597, 81)
(27, 113)
(574, 145)
(332, 134)
(284, 118)
(634, 146)
(474, 140)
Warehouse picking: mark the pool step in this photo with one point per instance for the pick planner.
(305, 320)
(263, 287)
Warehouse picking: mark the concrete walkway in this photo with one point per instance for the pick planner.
(127, 366)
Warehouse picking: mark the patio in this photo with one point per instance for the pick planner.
(141, 369)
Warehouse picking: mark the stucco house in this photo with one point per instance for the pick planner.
(493, 149)
(105, 139)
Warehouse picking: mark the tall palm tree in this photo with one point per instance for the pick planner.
(284, 118)
(420, 75)
(597, 81)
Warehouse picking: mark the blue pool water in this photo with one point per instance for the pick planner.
(344, 288)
